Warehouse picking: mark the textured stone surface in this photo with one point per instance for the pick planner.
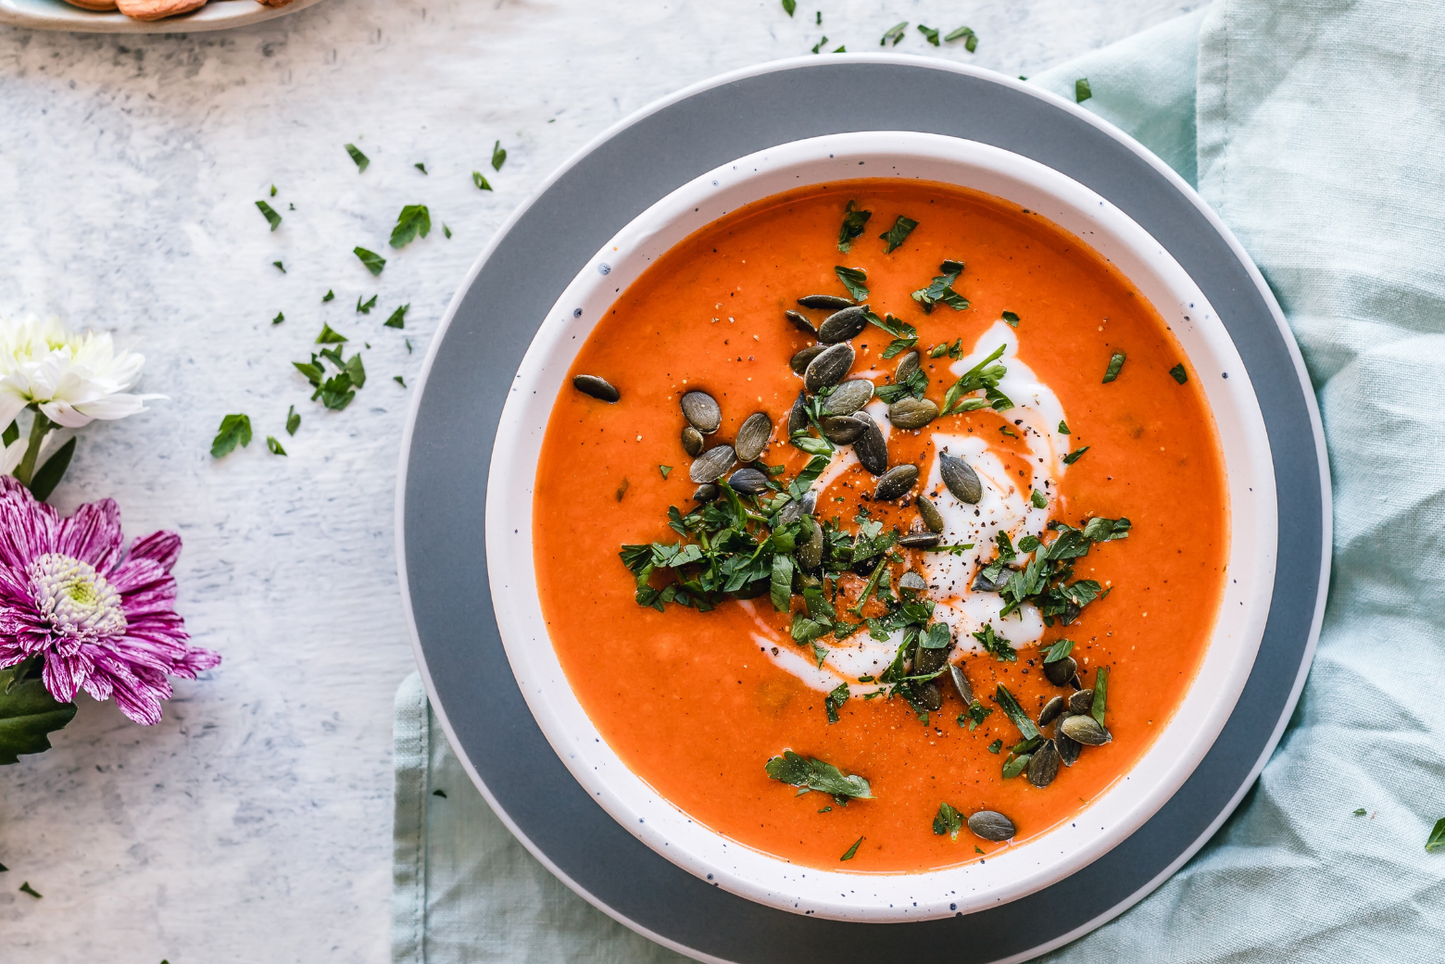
(253, 824)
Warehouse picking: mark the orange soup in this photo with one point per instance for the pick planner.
(842, 548)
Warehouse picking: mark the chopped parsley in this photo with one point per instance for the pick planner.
(235, 430)
(499, 156)
(854, 221)
(966, 34)
(996, 646)
(1437, 837)
(280, 317)
(279, 266)
(976, 714)
(854, 279)
(948, 821)
(293, 421)
(984, 377)
(995, 746)
(940, 290)
(1063, 428)
(1039, 500)
(894, 33)
(446, 231)
(329, 337)
(273, 190)
(271, 216)
(25, 888)
(365, 309)
(1116, 364)
(480, 181)
(1179, 374)
(1016, 714)
(274, 445)
(1075, 455)
(1101, 692)
(329, 296)
(420, 167)
(398, 317)
(1044, 580)
(373, 261)
(905, 336)
(1058, 650)
(1011, 319)
(399, 380)
(847, 856)
(819, 45)
(835, 700)
(929, 33)
(896, 235)
(1361, 811)
(361, 159)
(1081, 90)
(789, 6)
(808, 773)
(666, 470)
(413, 220)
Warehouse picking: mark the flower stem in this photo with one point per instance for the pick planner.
(26, 469)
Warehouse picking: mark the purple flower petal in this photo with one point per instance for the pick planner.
(92, 535)
(162, 548)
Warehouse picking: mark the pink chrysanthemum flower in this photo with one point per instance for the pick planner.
(102, 618)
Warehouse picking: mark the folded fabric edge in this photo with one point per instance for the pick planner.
(410, 737)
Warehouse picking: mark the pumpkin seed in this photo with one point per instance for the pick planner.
(991, 825)
(596, 387)
(705, 492)
(961, 683)
(912, 580)
(842, 429)
(1052, 710)
(911, 413)
(710, 466)
(825, 301)
(828, 367)
(753, 436)
(703, 411)
(1045, 765)
(895, 483)
(960, 478)
(1086, 730)
(848, 397)
(907, 365)
(1081, 702)
(799, 362)
(794, 511)
(981, 583)
(798, 416)
(843, 325)
(928, 694)
(931, 516)
(692, 442)
(1069, 750)
(871, 449)
(916, 540)
(1060, 671)
(809, 550)
(800, 321)
(749, 481)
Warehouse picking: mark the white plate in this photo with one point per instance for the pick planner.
(215, 15)
(1023, 869)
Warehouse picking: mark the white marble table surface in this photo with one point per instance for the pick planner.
(253, 824)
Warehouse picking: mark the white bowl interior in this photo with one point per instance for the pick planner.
(1180, 745)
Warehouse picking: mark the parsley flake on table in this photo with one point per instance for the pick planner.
(235, 430)
(1360, 811)
(852, 851)
(373, 261)
(365, 308)
(808, 773)
(329, 296)
(929, 33)
(1081, 90)
(361, 159)
(819, 45)
(293, 420)
(790, 6)
(894, 33)
(280, 317)
(854, 220)
(853, 279)
(499, 156)
(329, 336)
(274, 445)
(966, 34)
(399, 380)
(414, 219)
(273, 190)
(1437, 837)
(279, 266)
(446, 231)
(896, 235)
(272, 217)
(420, 167)
(398, 317)
(480, 181)
(25, 888)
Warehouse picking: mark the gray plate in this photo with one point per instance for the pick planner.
(441, 496)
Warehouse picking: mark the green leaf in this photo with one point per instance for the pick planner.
(446, 230)
(1081, 90)
(896, 235)
(293, 421)
(995, 645)
(356, 370)
(1107, 530)
(273, 190)
(666, 470)
(1116, 364)
(936, 636)
(25, 888)
(1063, 428)
(894, 33)
(1437, 837)
(1361, 811)
(854, 220)
(328, 336)
(995, 747)
(1075, 455)
(940, 289)
(1101, 693)
(361, 159)
(499, 156)
(790, 6)
(279, 266)
(11, 434)
(414, 219)
(373, 261)
(48, 476)
(948, 821)
(1059, 650)
(800, 771)
(398, 317)
(331, 296)
(1016, 713)
(929, 33)
(835, 700)
(280, 317)
(854, 280)
(364, 308)
(1179, 374)
(966, 34)
(1039, 500)
(480, 181)
(420, 167)
(853, 850)
(1011, 319)
(399, 380)
(235, 429)
(1016, 765)
(274, 445)
(271, 215)
(781, 584)
(27, 711)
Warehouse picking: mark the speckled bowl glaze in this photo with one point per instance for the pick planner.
(1021, 869)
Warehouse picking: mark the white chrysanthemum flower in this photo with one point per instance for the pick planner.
(71, 378)
(11, 455)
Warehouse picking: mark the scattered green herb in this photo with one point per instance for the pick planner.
(1116, 364)
(271, 216)
(948, 821)
(929, 33)
(1058, 650)
(1005, 430)
(329, 337)
(293, 420)
(273, 190)
(1016, 764)
(1101, 693)
(835, 700)
(280, 317)
(896, 235)
(480, 182)
(854, 280)
(894, 33)
(279, 266)
(996, 645)
(977, 713)
(1011, 319)
(812, 774)
(665, 470)
(819, 45)
(361, 159)
(966, 34)
(329, 296)
(854, 221)
(1099, 529)
(499, 156)
(235, 430)
(1075, 455)
(789, 6)
(1063, 428)
(905, 336)
(1081, 90)
(446, 231)
(365, 309)
(413, 220)
(399, 380)
(274, 445)
(940, 289)
(1015, 713)
(995, 747)
(1039, 500)
(398, 317)
(1437, 837)
(1179, 374)
(373, 261)
(1360, 811)
(25, 888)
(847, 856)
(984, 377)
(420, 167)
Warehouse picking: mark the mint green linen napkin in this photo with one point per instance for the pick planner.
(1320, 139)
